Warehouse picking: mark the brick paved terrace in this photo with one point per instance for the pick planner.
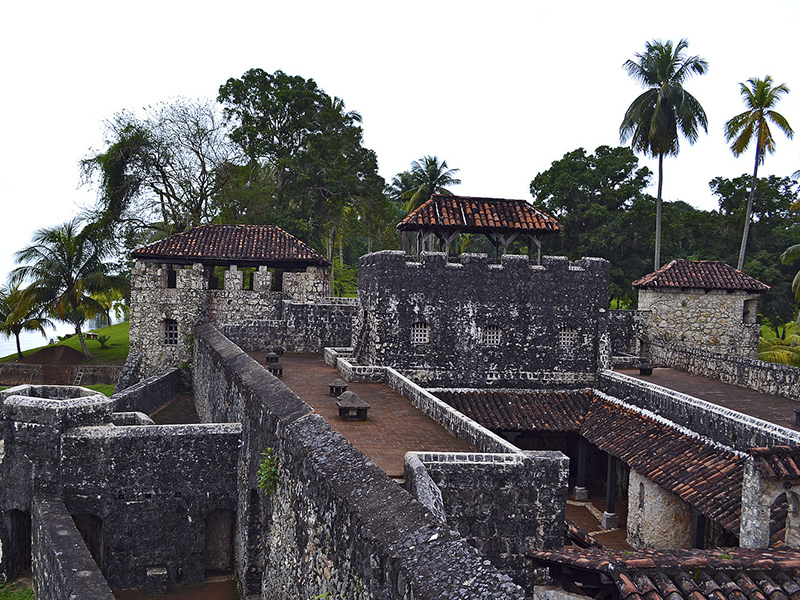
(394, 426)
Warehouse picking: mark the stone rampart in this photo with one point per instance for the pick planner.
(62, 565)
(307, 327)
(13, 373)
(765, 377)
(152, 494)
(150, 394)
(626, 330)
(505, 504)
(720, 424)
(516, 324)
(336, 523)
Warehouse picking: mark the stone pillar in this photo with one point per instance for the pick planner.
(610, 519)
(262, 280)
(233, 278)
(580, 492)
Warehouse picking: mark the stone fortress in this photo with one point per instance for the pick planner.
(514, 357)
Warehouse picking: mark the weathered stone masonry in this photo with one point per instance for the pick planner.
(337, 523)
(476, 324)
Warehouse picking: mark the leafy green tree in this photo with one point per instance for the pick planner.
(161, 171)
(760, 97)
(654, 120)
(307, 151)
(18, 313)
(64, 267)
(600, 202)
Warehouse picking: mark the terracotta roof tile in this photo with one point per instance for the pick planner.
(479, 215)
(706, 475)
(245, 245)
(778, 462)
(700, 274)
(521, 411)
(729, 574)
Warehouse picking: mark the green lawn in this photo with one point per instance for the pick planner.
(115, 353)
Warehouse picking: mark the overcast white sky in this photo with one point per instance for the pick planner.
(498, 89)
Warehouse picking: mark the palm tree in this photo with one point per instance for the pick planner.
(760, 97)
(18, 314)
(64, 268)
(428, 177)
(653, 121)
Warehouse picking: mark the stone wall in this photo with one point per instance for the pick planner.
(150, 491)
(627, 330)
(717, 320)
(14, 373)
(301, 319)
(722, 425)
(516, 324)
(150, 394)
(311, 286)
(656, 518)
(765, 377)
(301, 328)
(336, 522)
(62, 565)
(505, 505)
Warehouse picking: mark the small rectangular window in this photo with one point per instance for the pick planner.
(171, 332)
(567, 341)
(491, 336)
(171, 278)
(420, 333)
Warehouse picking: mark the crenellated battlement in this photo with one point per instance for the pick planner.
(482, 323)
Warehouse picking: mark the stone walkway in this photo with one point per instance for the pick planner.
(394, 427)
(773, 409)
(214, 588)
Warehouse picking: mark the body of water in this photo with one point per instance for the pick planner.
(34, 339)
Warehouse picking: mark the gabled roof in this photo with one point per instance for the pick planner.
(243, 245)
(479, 215)
(706, 475)
(700, 274)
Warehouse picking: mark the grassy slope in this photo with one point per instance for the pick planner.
(114, 354)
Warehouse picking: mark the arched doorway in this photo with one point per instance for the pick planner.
(219, 540)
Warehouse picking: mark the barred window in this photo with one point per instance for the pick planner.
(170, 332)
(567, 340)
(420, 333)
(491, 336)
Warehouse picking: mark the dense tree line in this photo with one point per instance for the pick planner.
(600, 200)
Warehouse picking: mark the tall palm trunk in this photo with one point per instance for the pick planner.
(749, 215)
(657, 259)
(19, 348)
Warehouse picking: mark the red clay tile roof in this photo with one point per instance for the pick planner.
(700, 274)
(479, 215)
(706, 475)
(778, 462)
(244, 245)
(521, 411)
(721, 574)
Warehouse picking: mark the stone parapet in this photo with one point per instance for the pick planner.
(766, 377)
(319, 532)
(513, 324)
